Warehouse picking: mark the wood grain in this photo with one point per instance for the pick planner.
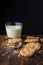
(14, 59)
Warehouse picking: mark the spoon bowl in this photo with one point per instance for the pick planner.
(18, 45)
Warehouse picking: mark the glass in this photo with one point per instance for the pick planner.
(13, 29)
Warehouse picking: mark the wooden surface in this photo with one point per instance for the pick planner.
(14, 59)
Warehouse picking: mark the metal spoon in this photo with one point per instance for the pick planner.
(17, 46)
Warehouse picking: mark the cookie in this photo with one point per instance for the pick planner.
(14, 40)
(30, 49)
(32, 39)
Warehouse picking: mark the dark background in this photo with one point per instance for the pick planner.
(29, 12)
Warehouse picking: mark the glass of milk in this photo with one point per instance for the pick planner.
(13, 29)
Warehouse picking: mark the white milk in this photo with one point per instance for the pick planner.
(13, 31)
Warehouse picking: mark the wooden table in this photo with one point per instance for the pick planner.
(14, 59)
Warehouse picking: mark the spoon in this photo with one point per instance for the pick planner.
(17, 46)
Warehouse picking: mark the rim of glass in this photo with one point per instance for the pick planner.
(13, 23)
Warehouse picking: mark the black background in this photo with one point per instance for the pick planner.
(29, 12)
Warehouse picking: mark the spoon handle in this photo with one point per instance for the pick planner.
(8, 52)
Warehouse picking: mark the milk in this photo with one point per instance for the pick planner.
(13, 31)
